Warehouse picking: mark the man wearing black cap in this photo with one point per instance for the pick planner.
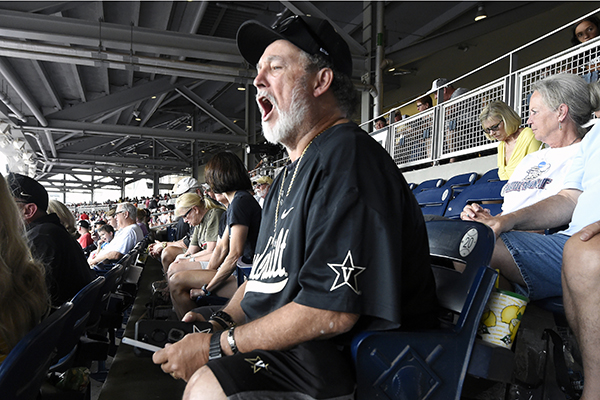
(67, 270)
(339, 250)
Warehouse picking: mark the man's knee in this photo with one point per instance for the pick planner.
(581, 260)
(169, 254)
(204, 385)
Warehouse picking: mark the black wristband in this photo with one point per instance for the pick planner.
(214, 350)
(223, 319)
(206, 292)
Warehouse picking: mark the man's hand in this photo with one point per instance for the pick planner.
(191, 316)
(183, 358)
(156, 249)
(589, 231)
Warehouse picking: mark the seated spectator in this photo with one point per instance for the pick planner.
(85, 237)
(380, 123)
(565, 263)
(226, 174)
(584, 30)
(502, 123)
(541, 174)
(105, 233)
(340, 250)
(67, 272)
(450, 92)
(261, 188)
(23, 295)
(424, 103)
(142, 218)
(67, 219)
(204, 215)
(128, 234)
(110, 218)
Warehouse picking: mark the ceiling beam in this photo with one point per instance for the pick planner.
(72, 31)
(210, 110)
(137, 132)
(120, 160)
(47, 82)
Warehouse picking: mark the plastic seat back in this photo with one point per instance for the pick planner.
(112, 278)
(432, 364)
(24, 369)
(489, 195)
(76, 322)
(429, 184)
(434, 201)
(461, 180)
(490, 176)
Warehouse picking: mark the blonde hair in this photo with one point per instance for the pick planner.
(67, 219)
(501, 110)
(189, 200)
(23, 293)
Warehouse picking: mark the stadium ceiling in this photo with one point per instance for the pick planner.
(122, 90)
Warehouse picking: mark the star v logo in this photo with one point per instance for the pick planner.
(346, 274)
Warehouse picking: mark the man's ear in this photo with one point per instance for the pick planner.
(29, 210)
(323, 81)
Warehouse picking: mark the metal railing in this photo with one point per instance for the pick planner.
(452, 128)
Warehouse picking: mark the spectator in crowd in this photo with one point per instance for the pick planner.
(23, 294)
(110, 218)
(424, 103)
(449, 91)
(502, 123)
(142, 218)
(85, 237)
(565, 263)
(128, 234)
(67, 219)
(541, 174)
(168, 251)
(204, 214)
(339, 251)
(380, 123)
(586, 29)
(261, 188)
(67, 272)
(105, 233)
(226, 174)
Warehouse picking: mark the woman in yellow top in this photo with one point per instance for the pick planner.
(23, 296)
(502, 123)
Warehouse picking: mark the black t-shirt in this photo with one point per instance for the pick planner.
(350, 237)
(245, 210)
(67, 270)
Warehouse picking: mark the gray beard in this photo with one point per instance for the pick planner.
(287, 127)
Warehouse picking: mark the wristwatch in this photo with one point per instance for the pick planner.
(214, 350)
(193, 259)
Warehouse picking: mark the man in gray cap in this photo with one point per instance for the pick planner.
(339, 250)
(67, 271)
(450, 92)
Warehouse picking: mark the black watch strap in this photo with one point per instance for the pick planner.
(215, 351)
(223, 319)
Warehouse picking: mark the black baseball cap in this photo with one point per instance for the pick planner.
(28, 190)
(313, 35)
(84, 224)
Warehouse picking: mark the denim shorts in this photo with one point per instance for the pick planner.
(539, 258)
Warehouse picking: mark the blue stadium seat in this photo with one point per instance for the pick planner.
(434, 201)
(24, 370)
(490, 176)
(478, 193)
(429, 184)
(75, 325)
(433, 364)
(458, 183)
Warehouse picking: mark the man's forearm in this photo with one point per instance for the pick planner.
(288, 326)
(109, 255)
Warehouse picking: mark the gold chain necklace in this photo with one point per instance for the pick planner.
(279, 197)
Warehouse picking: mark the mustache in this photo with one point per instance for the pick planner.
(266, 95)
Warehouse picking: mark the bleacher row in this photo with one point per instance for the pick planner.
(80, 332)
(448, 198)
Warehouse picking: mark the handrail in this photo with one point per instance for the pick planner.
(510, 53)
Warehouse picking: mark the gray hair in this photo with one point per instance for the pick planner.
(571, 90)
(131, 209)
(342, 87)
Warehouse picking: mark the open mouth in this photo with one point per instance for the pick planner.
(266, 106)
